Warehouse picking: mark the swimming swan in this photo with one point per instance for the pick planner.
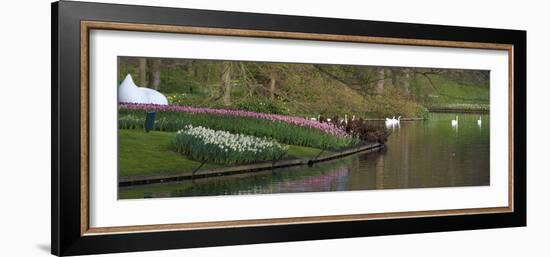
(455, 121)
(392, 122)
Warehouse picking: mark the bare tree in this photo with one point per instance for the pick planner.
(272, 86)
(142, 71)
(380, 81)
(268, 78)
(155, 73)
(226, 81)
(393, 74)
(407, 81)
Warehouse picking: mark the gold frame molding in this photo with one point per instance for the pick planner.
(87, 26)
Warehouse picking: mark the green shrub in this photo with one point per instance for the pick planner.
(392, 103)
(131, 121)
(262, 106)
(365, 130)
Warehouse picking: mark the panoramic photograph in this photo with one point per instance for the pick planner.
(194, 127)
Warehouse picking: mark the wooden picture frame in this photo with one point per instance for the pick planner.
(71, 25)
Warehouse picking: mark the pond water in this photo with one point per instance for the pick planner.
(419, 154)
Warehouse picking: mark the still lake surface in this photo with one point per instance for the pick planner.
(418, 154)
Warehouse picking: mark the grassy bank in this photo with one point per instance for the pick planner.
(151, 153)
(452, 95)
(478, 108)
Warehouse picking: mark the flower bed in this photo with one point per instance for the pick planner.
(282, 132)
(298, 121)
(218, 146)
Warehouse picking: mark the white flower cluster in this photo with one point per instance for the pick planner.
(226, 141)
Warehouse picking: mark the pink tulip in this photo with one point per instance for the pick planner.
(298, 121)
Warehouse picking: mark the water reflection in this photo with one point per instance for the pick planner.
(419, 154)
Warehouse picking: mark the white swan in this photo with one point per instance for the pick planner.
(393, 122)
(479, 121)
(128, 92)
(455, 121)
(390, 122)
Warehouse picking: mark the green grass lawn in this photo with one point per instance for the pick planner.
(302, 152)
(454, 96)
(143, 153)
(150, 153)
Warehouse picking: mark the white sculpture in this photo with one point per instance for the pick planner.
(128, 92)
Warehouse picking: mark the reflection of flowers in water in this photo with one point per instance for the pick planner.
(286, 182)
(327, 181)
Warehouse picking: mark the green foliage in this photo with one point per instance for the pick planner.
(282, 132)
(196, 100)
(392, 103)
(178, 98)
(125, 68)
(423, 112)
(443, 91)
(175, 81)
(131, 121)
(310, 90)
(262, 105)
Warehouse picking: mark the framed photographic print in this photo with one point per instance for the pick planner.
(178, 128)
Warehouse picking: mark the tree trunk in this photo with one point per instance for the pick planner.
(142, 72)
(155, 73)
(394, 82)
(190, 72)
(272, 87)
(380, 81)
(407, 81)
(226, 81)
(245, 82)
